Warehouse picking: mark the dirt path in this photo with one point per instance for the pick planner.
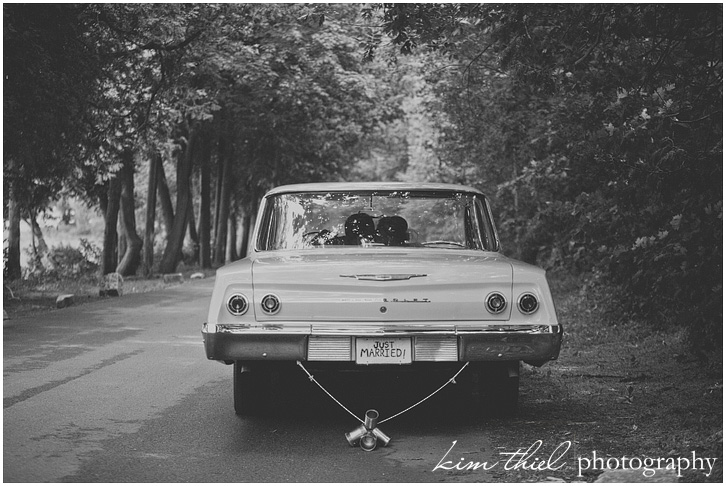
(22, 298)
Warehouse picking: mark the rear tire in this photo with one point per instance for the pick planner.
(250, 390)
(499, 388)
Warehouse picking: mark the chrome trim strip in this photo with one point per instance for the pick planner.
(381, 329)
(265, 329)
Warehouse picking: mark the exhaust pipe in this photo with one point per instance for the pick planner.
(367, 434)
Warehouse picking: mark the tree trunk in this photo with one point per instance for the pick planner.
(221, 160)
(121, 244)
(167, 210)
(132, 254)
(148, 263)
(231, 253)
(110, 236)
(175, 240)
(41, 249)
(220, 238)
(245, 239)
(192, 211)
(12, 265)
(204, 234)
(193, 230)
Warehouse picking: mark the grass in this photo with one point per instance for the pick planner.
(621, 389)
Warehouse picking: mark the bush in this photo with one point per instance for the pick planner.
(66, 261)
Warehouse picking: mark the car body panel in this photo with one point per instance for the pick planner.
(332, 298)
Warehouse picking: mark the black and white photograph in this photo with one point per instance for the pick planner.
(362, 243)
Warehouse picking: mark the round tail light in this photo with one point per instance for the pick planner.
(496, 303)
(528, 303)
(237, 304)
(270, 304)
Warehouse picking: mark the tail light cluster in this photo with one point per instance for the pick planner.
(238, 305)
(496, 303)
(527, 304)
(270, 304)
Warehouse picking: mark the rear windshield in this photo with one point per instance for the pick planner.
(425, 219)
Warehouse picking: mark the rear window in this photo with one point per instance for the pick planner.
(414, 219)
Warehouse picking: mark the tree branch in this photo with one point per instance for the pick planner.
(595, 44)
(156, 45)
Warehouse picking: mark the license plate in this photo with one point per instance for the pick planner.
(383, 350)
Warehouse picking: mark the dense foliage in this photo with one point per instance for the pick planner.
(595, 128)
(600, 129)
(48, 78)
(212, 104)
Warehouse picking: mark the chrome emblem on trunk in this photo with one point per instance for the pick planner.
(386, 277)
(408, 301)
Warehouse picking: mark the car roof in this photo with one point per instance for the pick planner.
(370, 186)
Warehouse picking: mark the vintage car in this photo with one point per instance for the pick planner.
(374, 276)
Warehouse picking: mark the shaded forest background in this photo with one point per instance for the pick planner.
(596, 130)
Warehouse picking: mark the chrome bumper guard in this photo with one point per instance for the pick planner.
(335, 342)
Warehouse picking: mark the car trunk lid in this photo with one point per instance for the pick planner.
(376, 285)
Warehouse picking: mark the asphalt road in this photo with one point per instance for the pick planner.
(120, 390)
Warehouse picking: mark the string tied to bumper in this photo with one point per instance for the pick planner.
(367, 430)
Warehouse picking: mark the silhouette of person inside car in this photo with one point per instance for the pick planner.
(392, 231)
(359, 229)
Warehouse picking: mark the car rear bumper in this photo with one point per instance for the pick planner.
(430, 342)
